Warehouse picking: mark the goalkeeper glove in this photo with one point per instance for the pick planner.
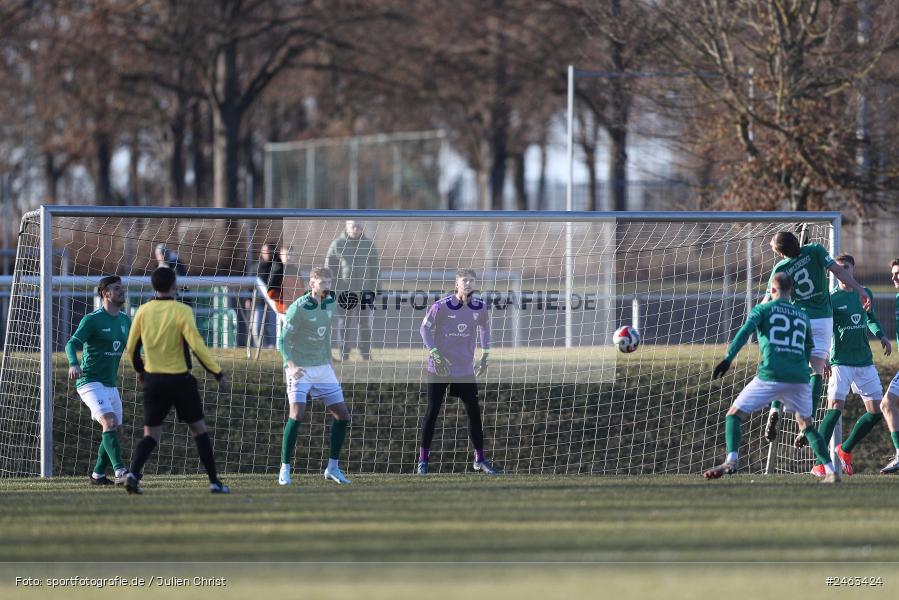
(720, 369)
(441, 364)
(481, 367)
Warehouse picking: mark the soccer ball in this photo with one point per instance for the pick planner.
(626, 338)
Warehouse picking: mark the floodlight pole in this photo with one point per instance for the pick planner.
(569, 206)
(269, 177)
(310, 177)
(354, 175)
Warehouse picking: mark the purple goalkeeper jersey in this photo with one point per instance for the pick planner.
(450, 327)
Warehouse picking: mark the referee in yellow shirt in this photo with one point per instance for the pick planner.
(166, 332)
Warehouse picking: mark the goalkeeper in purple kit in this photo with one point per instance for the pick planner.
(449, 331)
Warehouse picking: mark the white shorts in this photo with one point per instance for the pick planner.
(894, 386)
(822, 336)
(797, 397)
(319, 382)
(864, 381)
(101, 400)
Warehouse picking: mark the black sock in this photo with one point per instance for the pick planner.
(143, 451)
(204, 448)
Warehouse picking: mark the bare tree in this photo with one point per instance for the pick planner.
(616, 41)
(161, 41)
(249, 44)
(70, 94)
(784, 81)
(484, 70)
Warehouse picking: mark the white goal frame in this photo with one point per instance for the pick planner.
(48, 280)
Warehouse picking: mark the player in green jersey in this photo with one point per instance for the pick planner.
(852, 367)
(101, 337)
(305, 345)
(808, 266)
(890, 403)
(783, 373)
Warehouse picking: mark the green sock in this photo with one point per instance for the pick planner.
(818, 444)
(113, 448)
(102, 460)
(828, 423)
(895, 436)
(862, 427)
(817, 382)
(732, 424)
(289, 444)
(338, 434)
(777, 404)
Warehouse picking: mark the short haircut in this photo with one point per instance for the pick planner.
(163, 279)
(786, 243)
(783, 282)
(106, 282)
(320, 273)
(269, 245)
(848, 258)
(894, 263)
(466, 273)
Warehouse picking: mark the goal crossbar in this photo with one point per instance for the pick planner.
(558, 216)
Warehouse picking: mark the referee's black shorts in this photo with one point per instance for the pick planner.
(162, 391)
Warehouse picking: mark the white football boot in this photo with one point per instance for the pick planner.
(284, 475)
(336, 475)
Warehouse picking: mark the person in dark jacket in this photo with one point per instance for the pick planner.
(354, 261)
(276, 279)
(262, 327)
(166, 257)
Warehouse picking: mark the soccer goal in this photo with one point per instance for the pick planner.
(557, 397)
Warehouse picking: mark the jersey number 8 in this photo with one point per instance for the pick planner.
(803, 283)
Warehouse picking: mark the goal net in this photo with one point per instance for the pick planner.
(557, 397)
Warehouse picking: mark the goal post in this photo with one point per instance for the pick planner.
(557, 398)
(46, 354)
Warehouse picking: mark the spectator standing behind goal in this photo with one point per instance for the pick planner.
(276, 279)
(449, 331)
(169, 258)
(305, 345)
(165, 257)
(101, 337)
(785, 345)
(262, 325)
(162, 335)
(354, 261)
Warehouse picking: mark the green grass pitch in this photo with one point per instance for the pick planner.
(466, 536)
(398, 535)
